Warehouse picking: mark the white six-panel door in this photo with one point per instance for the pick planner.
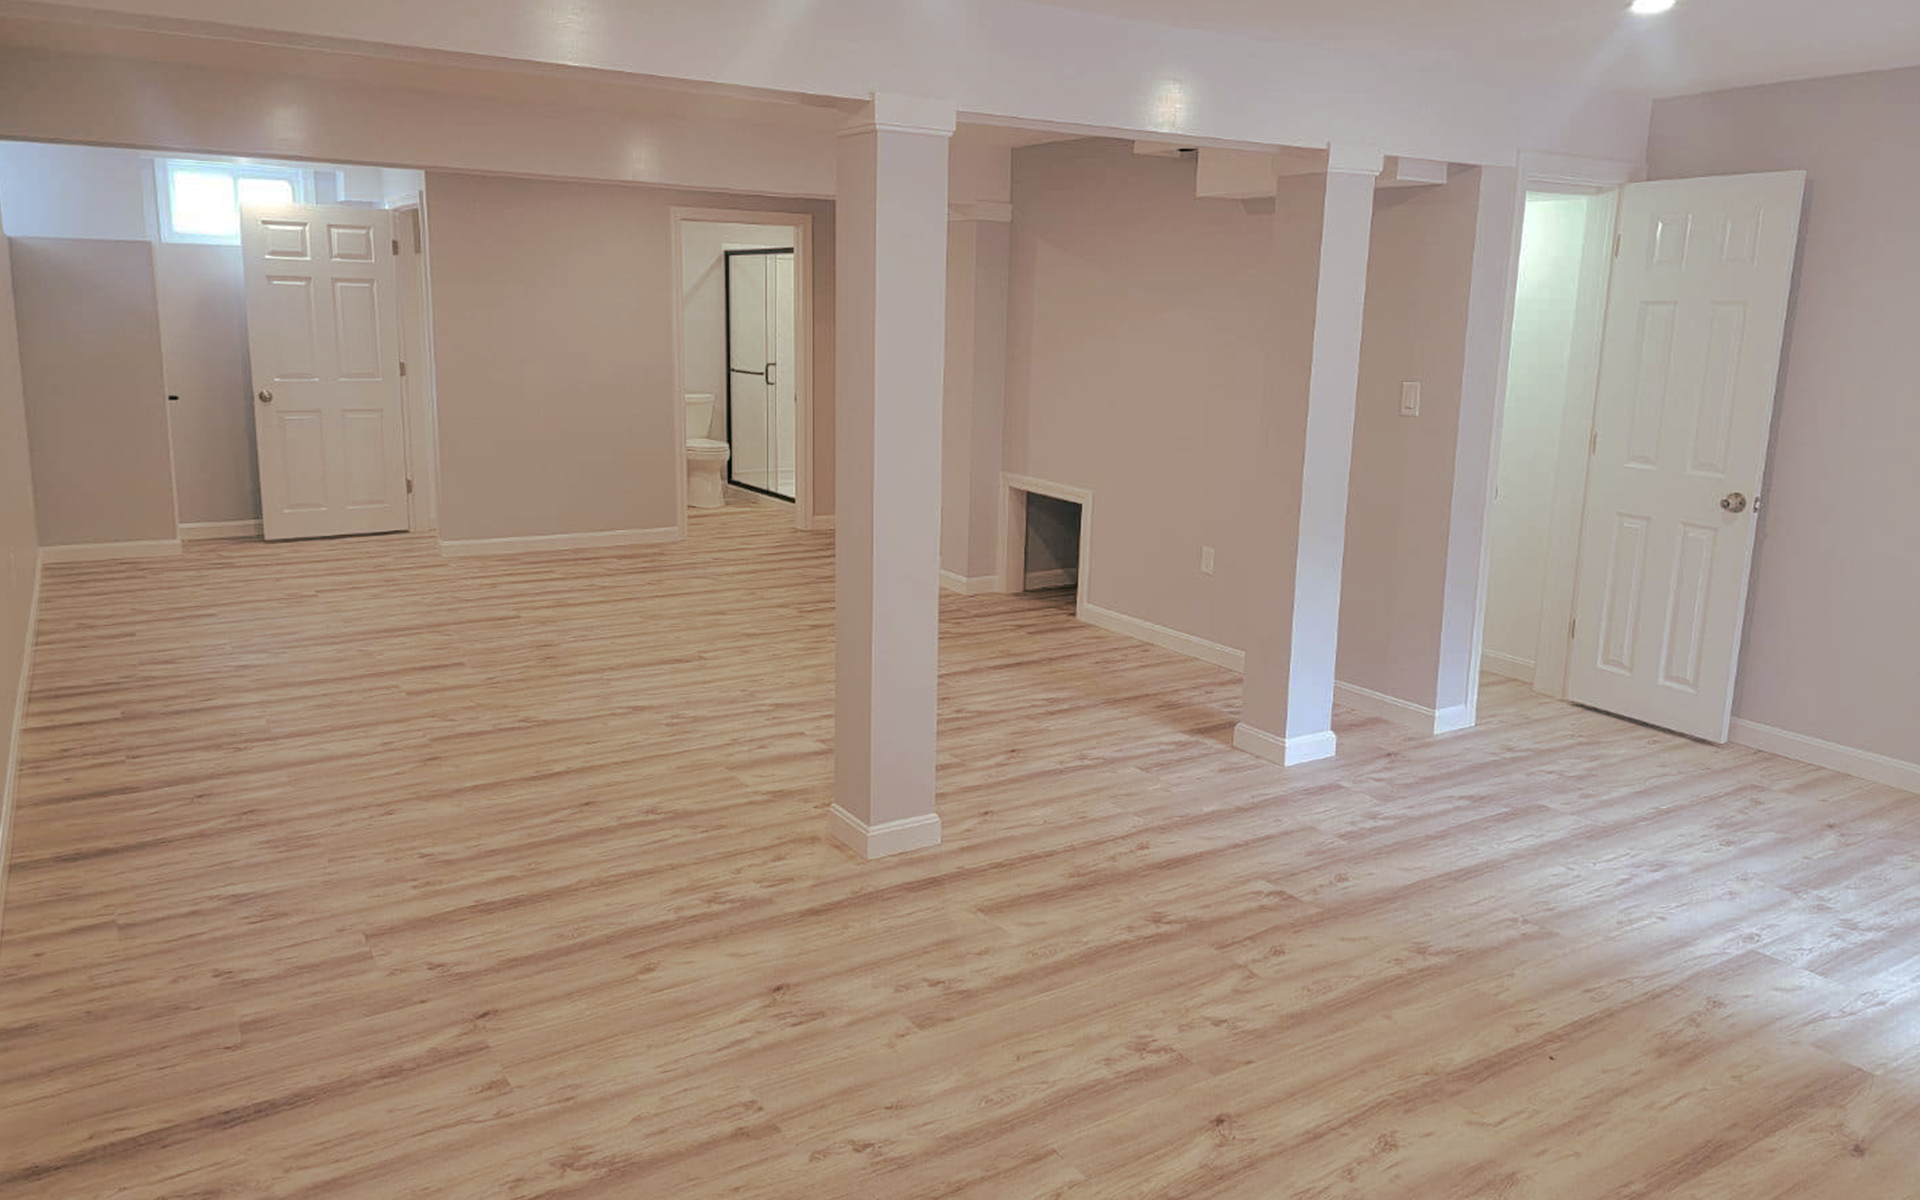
(323, 334)
(1695, 315)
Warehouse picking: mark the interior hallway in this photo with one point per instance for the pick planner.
(345, 869)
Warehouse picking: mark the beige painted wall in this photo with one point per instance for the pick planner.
(95, 390)
(203, 343)
(1400, 490)
(19, 540)
(1139, 320)
(553, 336)
(1830, 650)
(1136, 340)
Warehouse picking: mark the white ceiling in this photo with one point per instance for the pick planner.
(1701, 45)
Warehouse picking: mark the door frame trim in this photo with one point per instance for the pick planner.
(421, 413)
(803, 275)
(1542, 173)
(1013, 534)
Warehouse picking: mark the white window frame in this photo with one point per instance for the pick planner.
(163, 169)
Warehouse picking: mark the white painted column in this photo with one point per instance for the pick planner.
(890, 328)
(1322, 227)
(1496, 248)
(978, 250)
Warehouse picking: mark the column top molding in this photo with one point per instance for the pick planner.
(980, 210)
(1355, 160)
(892, 113)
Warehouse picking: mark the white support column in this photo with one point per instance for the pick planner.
(978, 250)
(890, 318)
(1322, 227)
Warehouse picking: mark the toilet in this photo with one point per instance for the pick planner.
(706, 458)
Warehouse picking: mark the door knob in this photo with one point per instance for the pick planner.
(266, 397)
(1734, 502)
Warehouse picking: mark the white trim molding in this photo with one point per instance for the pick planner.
(1058, 577)
(1288, 752)
(9, 778)
(214, 531)
(1402, 712)
(1507, 665)
(892, 112)
(101, 551)
(954, 581)
(1165, 638)
(1865, 764)
(597, 540)
(981, 210)
(879, 841)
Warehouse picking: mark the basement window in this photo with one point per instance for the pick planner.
(200, 201)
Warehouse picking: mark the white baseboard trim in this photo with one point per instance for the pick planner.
(1507, 665)
(100, 551)
(214, 531)
(1364, 700)
(978, 585)
(598, 539)
(1877, 768)
(1056, 578)
(11, 775)
(1288, 752)
(1166, 639)
(879, 841)
(1402, 712)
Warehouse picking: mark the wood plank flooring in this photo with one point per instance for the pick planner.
(345, 870)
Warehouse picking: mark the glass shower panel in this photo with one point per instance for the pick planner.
(760, 379)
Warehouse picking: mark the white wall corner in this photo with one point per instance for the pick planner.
(891, 112)
(880, 841)
(1288, 752)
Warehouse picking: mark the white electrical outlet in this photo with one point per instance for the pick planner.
(1409, 399)
(1206, 560)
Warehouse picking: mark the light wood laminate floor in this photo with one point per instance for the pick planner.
(341, 869)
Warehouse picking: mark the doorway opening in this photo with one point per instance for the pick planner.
(743, 358)
(1533, 528)
(1051, 555)
(280, 307)
(761, 342)
(1646, 349)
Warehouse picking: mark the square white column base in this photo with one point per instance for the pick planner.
(1288, 752)
(878, 841)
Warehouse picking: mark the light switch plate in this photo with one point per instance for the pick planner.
(1206, 560)
(1409, 399)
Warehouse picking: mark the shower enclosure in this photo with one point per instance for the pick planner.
(760, 375)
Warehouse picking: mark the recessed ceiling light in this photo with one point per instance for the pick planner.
(1651, 8)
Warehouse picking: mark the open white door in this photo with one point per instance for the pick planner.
(1695, 316)
(322, 330)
